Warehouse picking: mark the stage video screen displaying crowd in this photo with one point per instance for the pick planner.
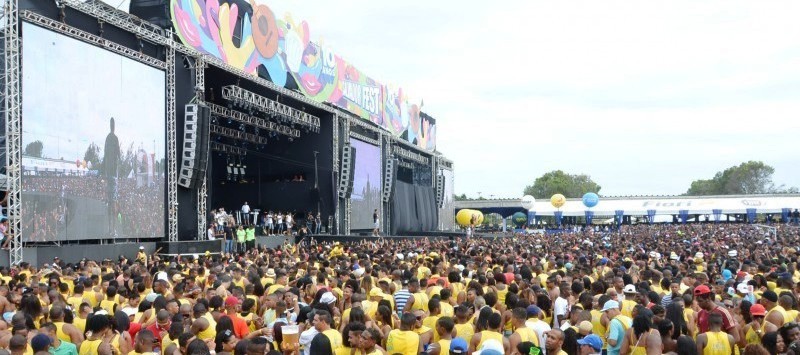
(93, 141)
(367, 184)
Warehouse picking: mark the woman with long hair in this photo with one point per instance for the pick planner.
(641, 338)
(675, 315)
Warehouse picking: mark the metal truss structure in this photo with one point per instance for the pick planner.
(344, 122)
(261, 103)
(237, 134)
(172, 148)
(202, 192)
(386, 154)
(257, 122)
(364, 138)
(13, 115)
(84, 36)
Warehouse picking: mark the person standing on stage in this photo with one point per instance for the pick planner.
(279, 217)
(310, 222)
(289, 223)
(376, 222)
(318, 223)
(228, 233)
(240, 238)
(245, 213)
(270, 223)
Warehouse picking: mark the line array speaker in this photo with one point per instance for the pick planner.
(388, 179)
(440, 190)
(346, 165)
(195, 145)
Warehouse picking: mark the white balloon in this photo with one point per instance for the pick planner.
(527, 202)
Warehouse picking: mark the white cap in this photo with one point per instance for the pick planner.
(141, 247)
(629, 289)
(491, 344)
(129, 311)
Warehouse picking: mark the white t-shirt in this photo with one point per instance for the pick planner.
(540, 327)
(245, 209)
(305, 339)
(559, 309)
(210, 233)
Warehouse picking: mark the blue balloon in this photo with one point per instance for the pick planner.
(590, 199)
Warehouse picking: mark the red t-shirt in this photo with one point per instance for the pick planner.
(157, 332)
(240, 327)
(727, 320)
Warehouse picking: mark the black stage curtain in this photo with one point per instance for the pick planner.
(413, 208)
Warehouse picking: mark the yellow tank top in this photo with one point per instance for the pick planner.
(457, 288)
(528, 334)
(89, 347)
(488, 334)
(501, 295)
(239, 283)
(108, 306)
(444, 346)
(403, 342)
(60, 332)
(434, 290)
(639, 347)
(597, 325)
(115, 342)
(80, 323)
(334, 337)
(75, 302)
(210, 332)
(791, 315)
(717, 344)
(420, 302)
(753, 337)
(91, 298)
(465, 331)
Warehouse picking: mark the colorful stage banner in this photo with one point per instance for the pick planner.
(283, 47)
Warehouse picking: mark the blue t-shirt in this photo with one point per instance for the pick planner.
(616, 331)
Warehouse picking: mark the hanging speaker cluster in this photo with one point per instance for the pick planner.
(346, 171)
(440, 190)
(388, 179)
(195, 145)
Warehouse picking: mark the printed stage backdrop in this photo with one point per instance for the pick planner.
(367, 184)
(281, 50)
(93, 135)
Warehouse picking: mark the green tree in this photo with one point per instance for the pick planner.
(559, 182)
(92, 155)
(462, 197)
(34, 149)
(752, 177)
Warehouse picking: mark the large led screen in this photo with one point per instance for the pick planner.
(93, 137)
(447, 217)
(367, 184)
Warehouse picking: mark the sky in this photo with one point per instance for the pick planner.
(644, 97)
(95, 84)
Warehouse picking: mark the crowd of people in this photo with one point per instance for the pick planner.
(662, 289)
(46, 218)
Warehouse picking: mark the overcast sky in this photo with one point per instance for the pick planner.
(643, 96)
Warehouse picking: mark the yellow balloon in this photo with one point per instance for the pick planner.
(463, 217)
(558, 200)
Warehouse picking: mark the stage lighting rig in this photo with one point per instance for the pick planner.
(241, 117)
(263, 104)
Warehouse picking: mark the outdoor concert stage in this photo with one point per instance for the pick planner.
(260, 114)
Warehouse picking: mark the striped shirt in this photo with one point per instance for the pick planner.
(400, 299)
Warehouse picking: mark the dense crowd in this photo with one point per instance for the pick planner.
(666, 289)
(134, 203)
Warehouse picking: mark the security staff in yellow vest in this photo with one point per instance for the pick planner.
(328, 339)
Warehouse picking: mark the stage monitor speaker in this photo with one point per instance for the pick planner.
(388, 179)
(153, 11)
(440, 190)
(346, 171)
(194, 157)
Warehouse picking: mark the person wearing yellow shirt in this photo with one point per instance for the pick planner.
(493, 333)
(404, 341)
(65, 331)
(444, 332)
(715, 341)
(521, 333)
(464, 328)
(328, 340)
(109, 304)
(143, 344)
(630, 300)
(430, 321)
(447, 308)
(368, 342)
(351, 336)
(418, 299)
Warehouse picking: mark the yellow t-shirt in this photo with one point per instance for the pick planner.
(465, 331)
(447, 309)
(717, 344)
(430, 323)
(403, 342)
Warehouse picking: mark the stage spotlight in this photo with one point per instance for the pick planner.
(241, 127)
(256, 130)
(230, 120)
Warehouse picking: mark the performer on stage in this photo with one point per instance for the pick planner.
(245, 213)
(111, 159)
(376, 223)
(318, 223)
(280, 222)
(270, 223)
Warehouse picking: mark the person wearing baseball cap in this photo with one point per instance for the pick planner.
(705, 300)
(617, 325)
(775, 313)
(240, 327)
(755, 330)
(590, 344)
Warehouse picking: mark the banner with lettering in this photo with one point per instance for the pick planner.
(283, 48)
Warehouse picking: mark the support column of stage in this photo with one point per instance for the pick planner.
(172, 163)
(388, 177)
(13, 113)
(345, 229)
(333, 223)
(202, 192)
